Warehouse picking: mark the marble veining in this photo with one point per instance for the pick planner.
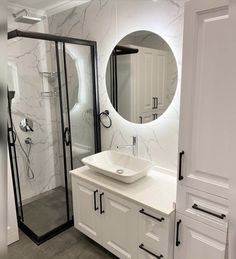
(37, 97)
(107, 22)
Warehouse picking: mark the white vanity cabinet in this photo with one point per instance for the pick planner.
(116, 216)
(105, 218)
(206, 154)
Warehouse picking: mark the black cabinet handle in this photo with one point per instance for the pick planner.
(67, 137)
(141, 119)
(149, 252)
(155, 116)
(101, 209)
(177, 243)
(95, 200)
(180, 165)
(157, 102)
(149, 215)
(220, 216)
(154, 102)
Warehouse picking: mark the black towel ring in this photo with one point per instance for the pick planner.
(102, 114)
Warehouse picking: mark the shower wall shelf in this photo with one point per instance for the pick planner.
(49, 74)
(49, 94)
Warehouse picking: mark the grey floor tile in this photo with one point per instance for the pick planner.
(46, 213)
(71, 244)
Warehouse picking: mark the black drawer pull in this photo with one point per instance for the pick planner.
(155, 116)
(180, 165)
(95, 200)
(177, 243)
(154, 102)
(157, 103)
(101, 209)
(145, 213)
(149, 252)
(220, 216)
(141, 119)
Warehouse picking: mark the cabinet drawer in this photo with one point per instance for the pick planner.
(204, 207)
(153, 231)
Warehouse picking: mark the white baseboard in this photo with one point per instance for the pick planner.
(12, 235)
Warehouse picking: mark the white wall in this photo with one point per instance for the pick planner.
(3, 133)
(12, 226)
(232, 206)
(107, 22)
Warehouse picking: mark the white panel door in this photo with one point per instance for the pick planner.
(151, 79)
(86, 210)
(119, 226)
(199, 241)
(206, 112)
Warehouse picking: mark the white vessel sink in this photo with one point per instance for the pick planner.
(122, 167)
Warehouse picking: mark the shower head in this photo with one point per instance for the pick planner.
(26, 18)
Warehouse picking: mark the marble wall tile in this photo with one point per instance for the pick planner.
(107, 22)
(27, 58)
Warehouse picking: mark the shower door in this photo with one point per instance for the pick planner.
(53, 124)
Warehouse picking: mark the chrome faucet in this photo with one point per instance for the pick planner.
(134, 146)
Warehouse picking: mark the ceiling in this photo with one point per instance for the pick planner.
(48, 6)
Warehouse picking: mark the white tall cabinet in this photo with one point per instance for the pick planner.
(205, 150)
(151, 82)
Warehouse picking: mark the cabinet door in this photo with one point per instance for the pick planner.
(86, 211)
(119, 226)
(206, 103)
(199, 241)
(152, 79)
(148, 116)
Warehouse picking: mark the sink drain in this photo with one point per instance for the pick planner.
(120, 171)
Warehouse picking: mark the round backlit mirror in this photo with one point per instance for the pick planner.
(141, 77)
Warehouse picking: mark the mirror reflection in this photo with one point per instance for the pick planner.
(73, 80)
(141, 77)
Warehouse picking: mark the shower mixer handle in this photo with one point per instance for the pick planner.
(26, 125)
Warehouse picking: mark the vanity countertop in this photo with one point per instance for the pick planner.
(156, 191)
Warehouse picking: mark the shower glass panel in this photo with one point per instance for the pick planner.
(53, 124)
(80, 98)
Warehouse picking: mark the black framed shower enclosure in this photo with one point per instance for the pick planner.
(66, 140)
